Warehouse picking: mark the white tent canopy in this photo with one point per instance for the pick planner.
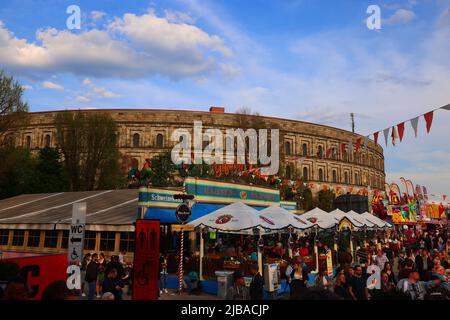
(235, 218)
(320, 218)
(284, 219)
(377, 222)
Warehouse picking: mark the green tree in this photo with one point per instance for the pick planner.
(49, 173)
(88, 144)
(325, 200)
(162, 173)
(12, 108)
(17, 172)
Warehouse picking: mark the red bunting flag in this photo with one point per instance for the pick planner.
(394, 135)
(401, 130)
(428, 119)
(375, 137)
(358, 144)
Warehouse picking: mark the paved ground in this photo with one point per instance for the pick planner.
(174, 295)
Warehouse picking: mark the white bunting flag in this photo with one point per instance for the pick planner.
(414, 124)
(366, 142)
(386, 135)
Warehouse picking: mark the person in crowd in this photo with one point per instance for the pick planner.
(289, 273)
(404, 273)
(298, 284)
(113, 284)
(357, 286)
(238, 291)
(412, 286)
(279, 251)
(101, 273)
(91, 276)
(83, 266)
(322, 281)
(381, 259)
(340, 288)
(387, 285)
(349, 273)
(114, 263)
(390, 273)
(257, 284)
(162, 275)
(58, 290)
(194, 281)
(423, 262)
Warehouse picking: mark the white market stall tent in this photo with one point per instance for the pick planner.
(237, 218)
(320, 218)
(284, 219)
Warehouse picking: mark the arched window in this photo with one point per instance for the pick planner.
(288, 172)
(305, 173)
(320, 174)
(136, 140)
(346, 177)
(160, 141)
(47, 141)
(287, 148)
(334, 176)
(304, 150)
(320, 152)
(28, 142)
(357, 179)
(333, 153)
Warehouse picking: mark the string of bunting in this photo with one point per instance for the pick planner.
(397, 132)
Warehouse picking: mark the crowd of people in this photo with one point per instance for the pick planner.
(103, 279)
(410, 264)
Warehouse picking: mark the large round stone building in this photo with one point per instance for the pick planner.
(313, 150)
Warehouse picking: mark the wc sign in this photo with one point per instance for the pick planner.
(76, 235)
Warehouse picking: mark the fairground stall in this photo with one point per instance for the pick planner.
(233, 227)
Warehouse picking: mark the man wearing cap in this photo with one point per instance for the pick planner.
(238, 291)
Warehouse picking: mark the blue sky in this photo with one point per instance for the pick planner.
(301, 59)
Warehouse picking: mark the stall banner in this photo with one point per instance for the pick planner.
(330, 263)
(146, 260)
(39, 271)
(221, 192)
(158, 198)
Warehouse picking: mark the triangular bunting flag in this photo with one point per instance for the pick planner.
(414, 125)
(375, 137)
(393, 135)
(366, 142)
(447, 107)
(358, 144)
(386, 135)
(428, 119)
(401, 130)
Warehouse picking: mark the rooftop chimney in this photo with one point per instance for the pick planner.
(217, 109)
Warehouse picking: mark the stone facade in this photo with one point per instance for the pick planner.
(312, 149)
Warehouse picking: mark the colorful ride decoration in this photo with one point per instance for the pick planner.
(404, 213)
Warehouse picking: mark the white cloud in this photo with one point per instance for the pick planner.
(97, 91)
(27, 87)
(97, 15)
(400, 16)
(132, 47)
(51, 85)
(82, 99)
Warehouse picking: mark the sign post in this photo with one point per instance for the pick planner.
(76, 235)
(183, 213)
(146, 260)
